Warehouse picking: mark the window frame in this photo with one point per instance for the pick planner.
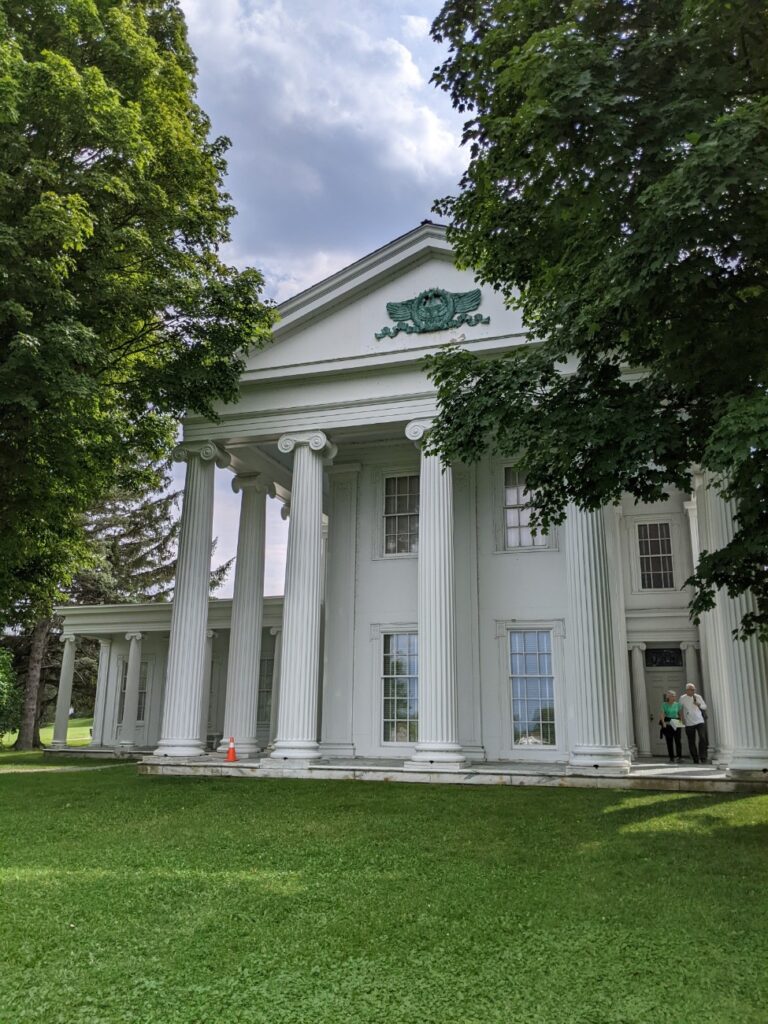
(500, 518)
(387, 744)
(384, 473)
(509, 750)
(120, 671)
(391, 749)
(681, 569)
(655, 522)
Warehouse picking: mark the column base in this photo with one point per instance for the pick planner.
(598, 761)
(295, 750)
(440, 756)
(243, 748)
(58, 745)
(748, 765)
(179, 748)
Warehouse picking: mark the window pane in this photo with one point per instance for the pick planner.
(401, 519)
(532, 688)
(400, 714)
(655, 551)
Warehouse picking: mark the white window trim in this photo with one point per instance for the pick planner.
(499, 519)
(402, 469)
(676, 537)
(510, 752)
(378, 629)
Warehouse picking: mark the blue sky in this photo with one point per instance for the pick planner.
(339, 144)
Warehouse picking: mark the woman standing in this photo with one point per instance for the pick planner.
(670, 712)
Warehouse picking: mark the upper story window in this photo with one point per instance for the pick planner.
(655, 549)
(517, 518)
(401, 515)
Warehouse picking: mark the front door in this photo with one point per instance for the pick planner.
(657, 682)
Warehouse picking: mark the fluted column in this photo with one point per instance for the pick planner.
(205, 703)
(747, 662)
(64, 696)
(640, 701)
(131, 701)
(297, 715)
(180, 735)
(100, 703)
(240, 710)
(438, 688)
(277, 633)
(596, 745)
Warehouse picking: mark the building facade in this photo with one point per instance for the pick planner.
(423, 623)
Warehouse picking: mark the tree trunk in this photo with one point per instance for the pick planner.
(29, 731)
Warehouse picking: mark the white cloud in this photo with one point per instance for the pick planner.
(416, 27)
(309, 65)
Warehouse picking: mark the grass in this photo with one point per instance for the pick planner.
(78, 734)
(132, 900)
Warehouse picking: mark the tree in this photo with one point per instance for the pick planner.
(10, 695)
(116, 313)
(617, 193)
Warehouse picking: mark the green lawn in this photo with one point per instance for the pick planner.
(78, 734)
(180, 901)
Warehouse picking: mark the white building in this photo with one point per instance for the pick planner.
(422, 623)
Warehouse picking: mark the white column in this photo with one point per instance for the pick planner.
(64, 696)
(747, 662)
(691, 662)
(596, 745)
(702, 522)
(438, 698)
(100, 703)
(240, 710)
(131, 702)
(640, 701)
(180, 736)
(205, 708)
(297, 716)
(277, 633)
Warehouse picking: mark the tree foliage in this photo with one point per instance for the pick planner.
(116, 313)
(617, 193)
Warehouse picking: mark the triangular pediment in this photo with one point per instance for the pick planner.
(363, 312)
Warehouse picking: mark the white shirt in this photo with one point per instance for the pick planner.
(692, 707)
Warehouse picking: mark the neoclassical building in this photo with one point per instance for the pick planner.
(423, 626)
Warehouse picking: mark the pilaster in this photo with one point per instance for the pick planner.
(640, 709)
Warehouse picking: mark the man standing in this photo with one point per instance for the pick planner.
(692, 709)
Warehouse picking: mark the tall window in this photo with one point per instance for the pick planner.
(655, 542)
(142, 706)
(533, 687)
(400, 688)
(264, 709)
(401, 515)
(517, 518)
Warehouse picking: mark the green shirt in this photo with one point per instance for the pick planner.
(671, 710)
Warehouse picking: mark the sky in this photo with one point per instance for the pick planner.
(339, 144)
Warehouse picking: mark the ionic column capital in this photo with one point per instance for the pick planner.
(208, 451)
(689, 645)
(633, 646)
(133, 636)
(69, 639)
(275, 630)
(316, 440)
(253, 482)
(417, 429)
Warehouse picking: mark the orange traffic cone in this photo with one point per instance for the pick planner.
(231, 754)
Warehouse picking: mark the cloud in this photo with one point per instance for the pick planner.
(415, 27)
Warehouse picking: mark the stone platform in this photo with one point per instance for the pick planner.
(650, 774)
